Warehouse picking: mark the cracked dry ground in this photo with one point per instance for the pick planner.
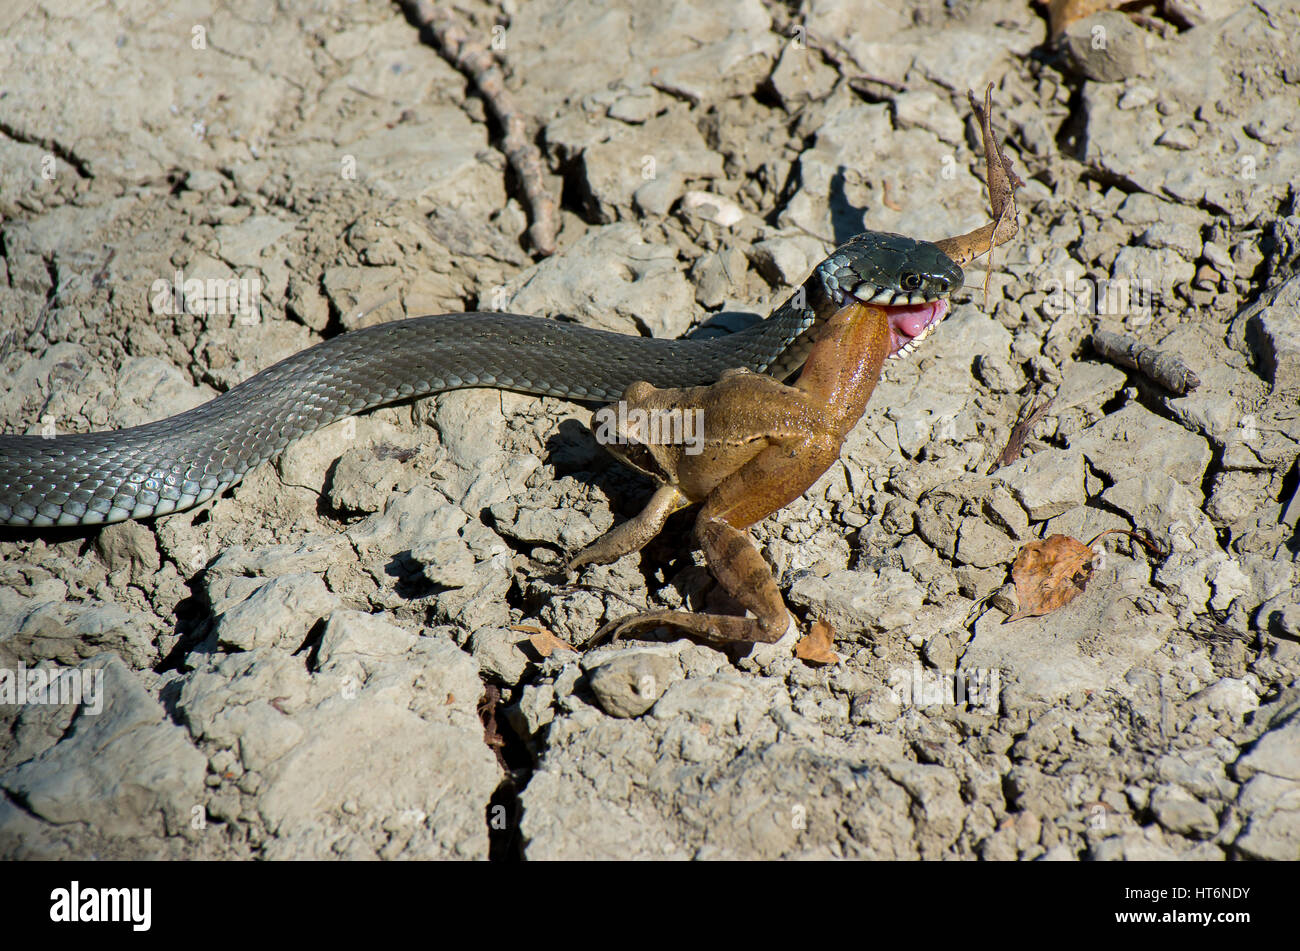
(296, 670)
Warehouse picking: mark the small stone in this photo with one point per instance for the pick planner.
(801, 76)
(636, 107)
(1177, 236)
(628, 684)
(781, 260)
(1207, 278)
(1180, 137)
(498, 653)
(1178, 812)
(1047, 483)
(877, 705)
(1106, 47)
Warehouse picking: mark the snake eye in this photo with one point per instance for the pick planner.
(911, 281)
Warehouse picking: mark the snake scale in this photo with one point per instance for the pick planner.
(176, 463)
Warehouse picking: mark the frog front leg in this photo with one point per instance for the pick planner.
(632, 535)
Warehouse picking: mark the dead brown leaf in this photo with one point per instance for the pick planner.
(543, 641)
(818, 647)
(1050, 573)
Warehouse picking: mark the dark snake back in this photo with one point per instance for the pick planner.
(172, 464)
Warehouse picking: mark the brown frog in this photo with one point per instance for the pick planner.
(763, 444)
(748, 444)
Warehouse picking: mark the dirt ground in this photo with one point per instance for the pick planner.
(336, 658)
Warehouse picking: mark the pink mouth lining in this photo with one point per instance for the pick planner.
(910, 322)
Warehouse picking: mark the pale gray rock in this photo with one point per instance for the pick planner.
(646, 290)
(1166, 508)
(498, 653)
(1201, 770)
(535, 709)
(420, 515)
(1147, 844)
(786, 261)
(666, 149)
(982, 545)
(860, 600)
(1178, 812)
(241, 245)
(636, 106)
(129, 545)
(265, 734)
(222, 682)
(1273, 329)
(307, 303)
(276, 613)
(1185, 239)
(878, 705)
(1276, 753)
(364, 296)
(126, 772)
(1106, 47)
(355, 632)
(1269, 802)
(1272, 819)
(448, 562)
(740, 792)
(404, 785)
(628, 684)
(1230, 696)
(801, 76)
(1133, 440)
(1157, 271)
(66, 632)
(1005, 512)
(312, 555)
(362, 480)
(1087, 645)
(998, 373)
(1281, 614)
(1046, 483)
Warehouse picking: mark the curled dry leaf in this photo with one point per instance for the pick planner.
(818, 646)
(1052, 572)
(543, 641)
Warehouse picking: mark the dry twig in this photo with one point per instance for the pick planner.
(477, 62)
(1156, 365)
(1019, 436)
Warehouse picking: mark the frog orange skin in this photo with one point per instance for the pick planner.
(764, 444)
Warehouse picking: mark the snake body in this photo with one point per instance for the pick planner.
(178, 462)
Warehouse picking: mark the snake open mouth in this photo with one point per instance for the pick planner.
(909, 324)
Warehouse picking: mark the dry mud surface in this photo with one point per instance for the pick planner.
(327, 661)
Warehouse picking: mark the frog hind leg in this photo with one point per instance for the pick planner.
(771, 479)
(740, 569)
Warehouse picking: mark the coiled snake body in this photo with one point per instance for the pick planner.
(181, 461)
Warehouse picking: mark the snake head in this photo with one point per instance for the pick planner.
(908, 279)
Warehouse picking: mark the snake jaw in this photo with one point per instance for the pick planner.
(912, 317)
(909, 325)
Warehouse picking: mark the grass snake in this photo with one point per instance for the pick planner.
(176, 463)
